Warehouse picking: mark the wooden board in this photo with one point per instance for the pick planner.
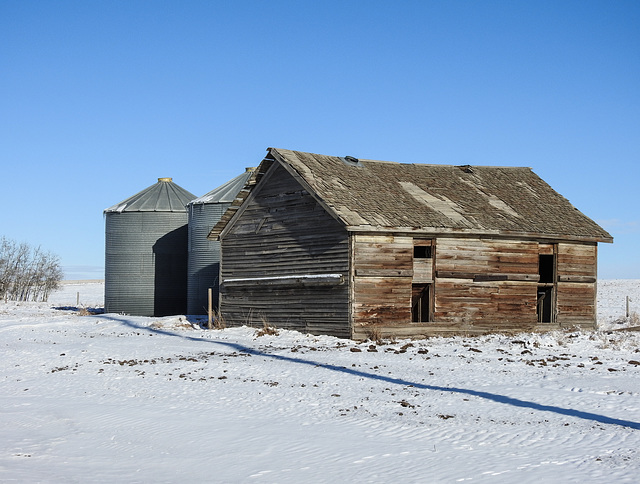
(576, 288)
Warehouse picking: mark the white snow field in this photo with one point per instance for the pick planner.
(113, 398)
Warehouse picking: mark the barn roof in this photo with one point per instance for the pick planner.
(378, 195)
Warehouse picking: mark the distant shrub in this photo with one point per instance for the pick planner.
(27, 273)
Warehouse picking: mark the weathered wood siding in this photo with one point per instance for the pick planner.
(485, 285)
(382, 272)
(284, 232)
(479, 285)
(576, 288)
(422, 270)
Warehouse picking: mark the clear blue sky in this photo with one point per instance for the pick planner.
(100, 98)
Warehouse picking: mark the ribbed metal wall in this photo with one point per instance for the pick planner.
(146, 258)
(204, 254)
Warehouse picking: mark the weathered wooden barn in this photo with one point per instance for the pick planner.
(354, 248)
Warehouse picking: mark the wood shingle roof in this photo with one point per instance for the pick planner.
(479, 200)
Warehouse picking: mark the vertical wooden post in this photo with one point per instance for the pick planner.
(78, 301)
(627, 306)
(210, 309)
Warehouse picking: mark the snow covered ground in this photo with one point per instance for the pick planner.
(114, 398)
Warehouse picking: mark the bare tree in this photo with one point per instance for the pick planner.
(27, 273)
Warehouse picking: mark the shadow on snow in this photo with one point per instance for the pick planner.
(397, 381)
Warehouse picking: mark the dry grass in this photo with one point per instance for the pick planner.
(633, 319)
(218, 321)
(374, 334)
(267, 330)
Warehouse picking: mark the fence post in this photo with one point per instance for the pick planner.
(627, 306)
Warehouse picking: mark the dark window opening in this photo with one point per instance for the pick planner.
(544, 309)
(545, 269)
(422, 252)
(420, 303)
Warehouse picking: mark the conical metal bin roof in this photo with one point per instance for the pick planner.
(164, 196)
(227, 192)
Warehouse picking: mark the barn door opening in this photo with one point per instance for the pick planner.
(421, 303)
(546, 270)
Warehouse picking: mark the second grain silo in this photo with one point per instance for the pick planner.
(146, 252)
(204, 254)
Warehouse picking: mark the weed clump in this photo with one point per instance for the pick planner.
(267, 330)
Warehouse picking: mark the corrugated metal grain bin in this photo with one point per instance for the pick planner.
(204, 254)
(146, 252)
